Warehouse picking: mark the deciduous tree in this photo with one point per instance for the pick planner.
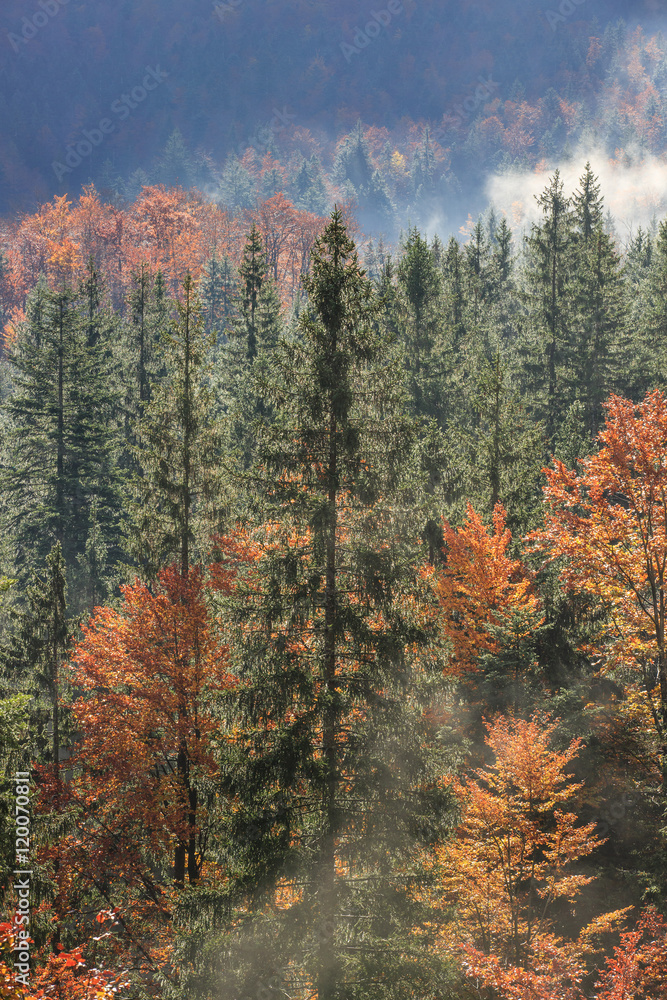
(608, 522)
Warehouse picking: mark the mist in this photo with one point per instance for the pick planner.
(634, 188)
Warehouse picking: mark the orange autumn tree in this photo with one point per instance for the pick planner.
(513, 858)
(149, 674)
(484, 597)
(609, 525)
(66, 975)
(638, 968)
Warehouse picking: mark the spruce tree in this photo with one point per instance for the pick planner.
(178, 488)
(254, 332)
(549, 280)
(216, 289)
(587, 206)
(331, 768)
(419, 308)
(61, 454)
(598, 326)
(34, 653)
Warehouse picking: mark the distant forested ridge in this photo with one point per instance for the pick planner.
(446, 95)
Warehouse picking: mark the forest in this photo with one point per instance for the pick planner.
(333, 654)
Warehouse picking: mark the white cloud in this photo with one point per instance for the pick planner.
(634, 189)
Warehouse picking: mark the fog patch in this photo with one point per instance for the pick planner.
(633, 185)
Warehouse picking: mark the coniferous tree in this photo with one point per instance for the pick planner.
(422, 174)
(332, 766)
(216, 289)
(455, 301)
(254, 332)
(598, 325)
(549, 278)
(507, 451)
(61, 453)
(33, 655)
(655, 316)
(587, 206)
(419, 308)
(178, 490)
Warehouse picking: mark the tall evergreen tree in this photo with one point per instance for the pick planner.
(33, 656)
(419, 306)
(549, 274)
(253, 333)
(333, 764)
(61, 453)
(216, 289)
(178, 487)
(588, 206)
(598, 325)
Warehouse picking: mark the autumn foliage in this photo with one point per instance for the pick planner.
(148, 673)
(608, 524)
(171, 230)
(515, 857)
(480, 590)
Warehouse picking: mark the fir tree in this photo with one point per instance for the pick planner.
(61, 453)
(549, 274)
(333, 766)
(178, 487)
(419, 307)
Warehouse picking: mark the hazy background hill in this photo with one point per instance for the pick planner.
(503, 86)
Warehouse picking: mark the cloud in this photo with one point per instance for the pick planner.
(634, 188)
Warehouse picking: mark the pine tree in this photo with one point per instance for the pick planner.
(419, 307)
(61, 453)
(332, 762)
(216, 289)
(178, 488)
(549, 275)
